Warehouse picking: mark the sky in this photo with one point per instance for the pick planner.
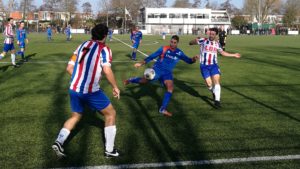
(95, 3)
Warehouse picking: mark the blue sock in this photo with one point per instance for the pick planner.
(166, 100)
(135, 80)
(133, 55)
(22, 55)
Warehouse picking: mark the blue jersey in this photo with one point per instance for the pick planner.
(136, 36)
(49, 31)
(68, 31)
(168, 58)
(110, 32)
(21, 35)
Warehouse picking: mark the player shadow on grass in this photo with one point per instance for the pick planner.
(153, 131)
(191, 91)
(4, 68)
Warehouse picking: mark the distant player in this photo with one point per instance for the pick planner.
(167, 58)
(209, 48)
(9, 42)
(136, 38)
(22, 39)
(164, 35)
(68, 32)
(90, 60)
(110, 34)
(222, 38)
(49, 33)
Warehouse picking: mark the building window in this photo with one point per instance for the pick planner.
(185, 15)
(163, 15)
(150, 15)
(171, 15)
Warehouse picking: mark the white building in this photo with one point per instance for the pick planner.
(182, 20)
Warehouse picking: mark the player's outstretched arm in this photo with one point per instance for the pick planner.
(195, 41)
(111, 79)
(137, 65)
(226, 54)
(70, 69)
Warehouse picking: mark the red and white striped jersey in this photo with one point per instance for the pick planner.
(9, 34)
(209, 51)
(91, 57)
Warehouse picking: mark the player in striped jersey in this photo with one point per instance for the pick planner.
(168, 57)
(90, 59)
(22, 38)
(209, 48)
(9, 42)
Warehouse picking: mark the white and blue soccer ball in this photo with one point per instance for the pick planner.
(149, 74)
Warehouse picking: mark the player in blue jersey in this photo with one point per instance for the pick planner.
(21, 40)
(168, 57)
(68, 32)
(110, 34)
(136, 39)
(49, 32)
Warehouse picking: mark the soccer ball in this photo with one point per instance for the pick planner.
(149, 74)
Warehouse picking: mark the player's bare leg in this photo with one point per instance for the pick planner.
(217, 90)
(69, 125)
(210, 86)
(167, 97)
(110, 131)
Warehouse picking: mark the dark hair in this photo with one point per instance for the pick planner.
(22, 22)
(175, 37)
(215, 30)
(8, 19)
(99, 32)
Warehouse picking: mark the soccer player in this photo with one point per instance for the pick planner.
(209, 48)
(68, 32)
(9, 42)
(90, 60)
(164, 35)
(110, 34)
(168, 57)
(222, 38)
(49, 33)
(22, 38)
(136, 38)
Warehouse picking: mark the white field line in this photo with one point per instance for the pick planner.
(130, 46)
(192, 163)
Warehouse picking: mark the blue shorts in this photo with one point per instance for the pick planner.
(96, 101)
(8, 47)
(162, 75)
(22, 45)
(209, 70)
(135, 45)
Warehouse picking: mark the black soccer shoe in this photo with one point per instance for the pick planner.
(112, 154)
(218, 104)
(58, 149)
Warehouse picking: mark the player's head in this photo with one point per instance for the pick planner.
(99, 32)
(10, 20)
(213, 32)
(22, 24)
(137, 28)
(174, 41)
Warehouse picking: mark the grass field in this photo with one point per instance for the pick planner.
(260, 114)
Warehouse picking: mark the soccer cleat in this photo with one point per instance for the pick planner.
(126, 82)
(57, 147)
(16, 66)
(114, 153)
(214, 96)
(165, 112)
(218, 104)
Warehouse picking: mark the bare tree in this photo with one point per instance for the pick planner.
(196, 4)
(231, 9)
(291, 10)
(12, 5)
(211, 5)
(87, 7)
(260, 9)
(182, 4)
(52, 5)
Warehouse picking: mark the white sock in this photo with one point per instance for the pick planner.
(13, 59)
(217, 92)
(110, 134)
(63, 135)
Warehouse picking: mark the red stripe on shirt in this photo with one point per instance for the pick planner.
(100, 48)
(209, 58)
(80, 70)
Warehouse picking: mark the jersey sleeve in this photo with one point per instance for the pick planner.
(201, 41)
(72, 60)
(154, 55)
(185, 58)
(106, 56)
(18, 35)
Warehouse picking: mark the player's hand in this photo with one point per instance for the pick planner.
(116, 92)
(18, 42)
(137, 65)
(237, 55)
(195, 58)
(27, 41)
